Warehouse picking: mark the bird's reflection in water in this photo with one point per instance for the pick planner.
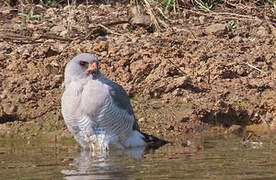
(103, 165)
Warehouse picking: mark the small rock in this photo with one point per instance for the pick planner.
(141, 20)
(181, 81)
(100, 46)
(4, 95)
(261, 31)
(202, 19)
(215, 28)
(125, 26)
(238, 39)
(142, 120)
(240, 71)
(104, 6)
(177, 92)
(63, 33)
(138, 18)
(57, 29)
(35, 35)
(59, 47)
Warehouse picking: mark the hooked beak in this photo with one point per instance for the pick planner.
(93, 68)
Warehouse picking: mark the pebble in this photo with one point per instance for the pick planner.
(240, 71)
(261, 31)
(202, 19)
(215, 28)
(238, 39)
(142, 120)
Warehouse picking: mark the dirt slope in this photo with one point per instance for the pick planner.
(196, 71)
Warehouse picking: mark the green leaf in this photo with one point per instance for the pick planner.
(36, 16)
(31, 13)
(23, 14)
(174, 6)
(167, 6)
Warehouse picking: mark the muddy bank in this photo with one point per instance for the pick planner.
(195, 72)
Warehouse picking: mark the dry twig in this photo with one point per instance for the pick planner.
(109, 30)
(153, 19)
(177, 67)
(250, 65)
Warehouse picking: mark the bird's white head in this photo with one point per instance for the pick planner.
(81, 66)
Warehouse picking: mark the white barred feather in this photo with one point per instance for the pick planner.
(96, 110)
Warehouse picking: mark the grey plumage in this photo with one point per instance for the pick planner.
(93, 105)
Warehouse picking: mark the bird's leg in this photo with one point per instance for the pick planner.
(91, 146)
(90, 140)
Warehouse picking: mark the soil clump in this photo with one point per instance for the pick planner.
(194, 72)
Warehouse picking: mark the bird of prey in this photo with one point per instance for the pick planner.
(96, 110)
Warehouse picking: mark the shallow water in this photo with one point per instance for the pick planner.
(204, 158)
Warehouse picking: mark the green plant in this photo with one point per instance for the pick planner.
(271, 2)
(3, 3)
(27, 17)
(48, 1)
(207, 6)
(166, 4)
(231, 25)
(169, 3)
